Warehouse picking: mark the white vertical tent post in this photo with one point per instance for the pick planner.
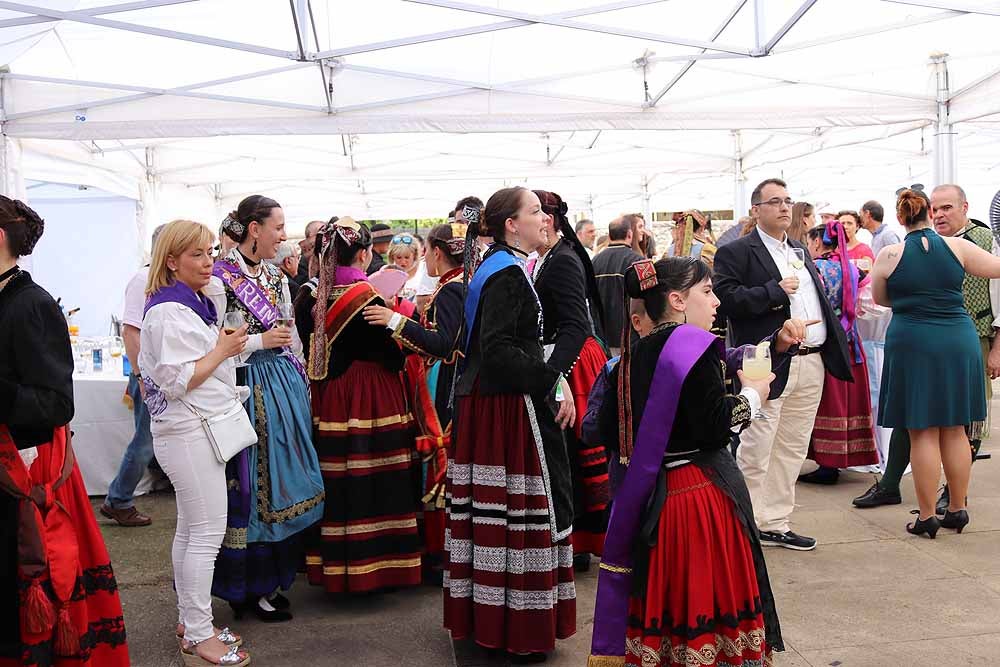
(759, 38)
(149, 196)
(944, 132)
(739, 178)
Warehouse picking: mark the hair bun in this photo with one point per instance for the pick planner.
(641, 277)
(911, 206)
(34, 223)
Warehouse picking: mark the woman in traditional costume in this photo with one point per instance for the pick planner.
(60, 597)
(682, 580)
(509, 482)
(435, 342)
(275, 487)
(843, 435)
(363, 428)
(571, 312)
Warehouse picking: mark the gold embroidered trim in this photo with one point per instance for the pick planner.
(842, 423)
(752, 641)
(741, 412)
(362, 528)
(342, 427)
(371, 567)
(314, 560)
(606, 661)
(264, 510)
(687, 489)
(343, 466)
(235, 538)
(616, 568)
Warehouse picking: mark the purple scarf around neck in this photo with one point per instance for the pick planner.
(348, 274)
(178, 292)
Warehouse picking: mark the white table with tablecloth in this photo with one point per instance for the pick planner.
(102, 429)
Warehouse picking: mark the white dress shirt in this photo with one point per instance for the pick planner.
(172, 340)
(805, 303)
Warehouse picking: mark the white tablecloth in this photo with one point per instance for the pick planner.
(103, 427)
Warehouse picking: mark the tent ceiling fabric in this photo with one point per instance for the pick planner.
(410, 103)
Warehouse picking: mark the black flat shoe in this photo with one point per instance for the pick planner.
(825, 476)
(955, 520)
(276, 616)
(280, 602)
(581, 562)
(928, 527)
(876, 496)
(527, 658)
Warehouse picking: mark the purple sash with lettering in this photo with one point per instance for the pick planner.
(255, 300)
(680, 353)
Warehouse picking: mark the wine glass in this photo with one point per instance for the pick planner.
(757, 366)
(116, 348)
(286, 318)
(797, 259)
(231, 323)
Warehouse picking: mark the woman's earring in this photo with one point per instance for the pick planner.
(685, 317)
(517, 241)
(254, 249)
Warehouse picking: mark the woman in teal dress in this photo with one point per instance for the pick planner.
(932, 377)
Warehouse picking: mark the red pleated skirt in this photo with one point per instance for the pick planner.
(507, 585)
(94, 608)
(364, 437)
(702, 605)
(843, 435)
(592, 489)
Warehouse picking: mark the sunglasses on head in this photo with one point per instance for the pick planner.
(404, 239)
(917, 187)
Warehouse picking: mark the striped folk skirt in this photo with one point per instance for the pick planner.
(844, 434)
(363, 431)
(507, 584)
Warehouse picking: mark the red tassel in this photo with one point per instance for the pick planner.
(67, 640)
(37, 615)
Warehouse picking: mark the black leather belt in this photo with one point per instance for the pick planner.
(803, 350)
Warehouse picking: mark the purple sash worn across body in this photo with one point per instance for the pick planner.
(680, 353)
(255, 300)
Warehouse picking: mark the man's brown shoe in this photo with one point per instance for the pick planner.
(129, 517)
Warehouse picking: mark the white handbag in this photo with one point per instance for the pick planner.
(230, 433)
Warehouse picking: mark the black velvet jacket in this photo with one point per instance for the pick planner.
(505, 354)
(36, 396)
(359, 341)
(562, 288)
(439, 339)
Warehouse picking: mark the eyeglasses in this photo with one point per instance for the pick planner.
(404, 239)
(917, 187)
(776, 201)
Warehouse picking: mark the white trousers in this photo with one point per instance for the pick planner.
(772, 450)
(200, 489)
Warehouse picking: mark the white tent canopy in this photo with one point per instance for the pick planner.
(396, 108)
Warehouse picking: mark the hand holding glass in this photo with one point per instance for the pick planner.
(231, 323)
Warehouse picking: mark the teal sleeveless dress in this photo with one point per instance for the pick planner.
(933, 370)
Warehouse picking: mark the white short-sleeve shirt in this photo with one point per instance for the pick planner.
(135, 298)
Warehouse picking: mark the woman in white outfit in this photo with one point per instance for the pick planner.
(186, 362)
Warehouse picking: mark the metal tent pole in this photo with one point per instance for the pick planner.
(944, 131)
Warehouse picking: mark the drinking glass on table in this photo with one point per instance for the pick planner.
(286, 318)
(116, 348)
(231, 323)
(757, 366)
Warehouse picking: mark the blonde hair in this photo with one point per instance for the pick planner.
(176, 237)
(400, 248)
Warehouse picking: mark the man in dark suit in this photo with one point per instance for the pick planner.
(609, 268)
(758, 281)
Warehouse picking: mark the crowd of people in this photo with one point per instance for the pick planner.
(490, 406)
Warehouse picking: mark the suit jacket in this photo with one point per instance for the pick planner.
(746, 282)
(610, 265)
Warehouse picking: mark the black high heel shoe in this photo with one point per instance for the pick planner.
(955, 520)
(927, 527)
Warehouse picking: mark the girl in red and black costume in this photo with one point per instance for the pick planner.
(509, 491)
(571, 306)
(435, 342)
(60, 596)
(362, 427)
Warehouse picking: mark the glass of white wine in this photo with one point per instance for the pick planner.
(286, 318)
(231, 323)
(116, 349)
(797, 259)
(757, 365)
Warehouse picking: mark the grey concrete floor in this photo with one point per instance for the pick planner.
(869, 595)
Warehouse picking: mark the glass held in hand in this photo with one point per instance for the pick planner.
(797, 259)
(231, 323)
(757, 365)
(286, 319)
